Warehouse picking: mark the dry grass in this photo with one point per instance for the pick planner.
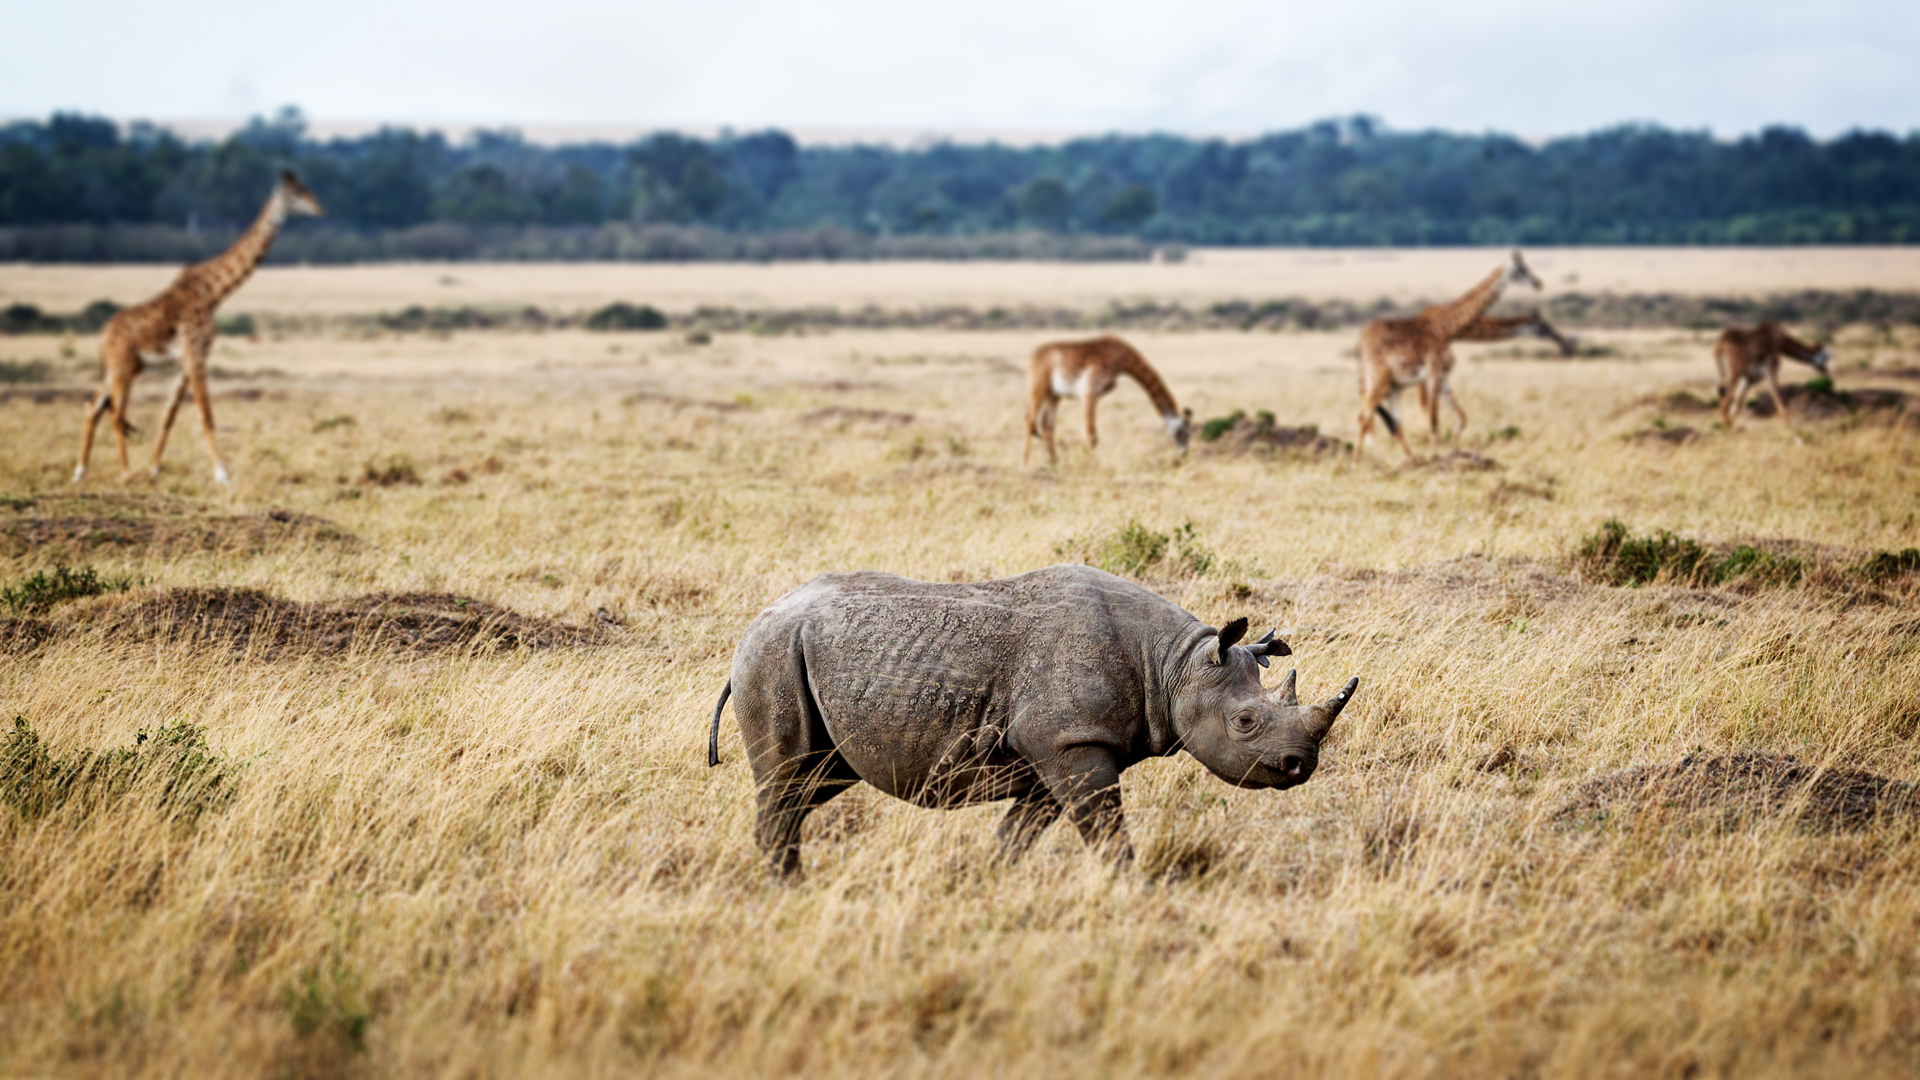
(506, 856)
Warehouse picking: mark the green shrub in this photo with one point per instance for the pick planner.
(1135, 549)
(1220, 425)
(1613, 554)
(1821, 385)
(241, 325)
(1887, 564)
(172, 762)
(621, 315)
(40, 591)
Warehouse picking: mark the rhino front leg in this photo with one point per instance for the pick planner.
(1032, 812)
(1086, 780)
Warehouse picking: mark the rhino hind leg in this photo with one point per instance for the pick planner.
(794, 789)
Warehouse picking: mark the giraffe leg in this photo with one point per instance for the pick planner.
(1093, 433)
(1046, 421)
(96, 409)
(1459, 413)
(1389, 408)
(166, 425)
(196, 374)
(1779, 402)
(122, 390)
(1731, 406)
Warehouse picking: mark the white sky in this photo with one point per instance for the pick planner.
(1202, 66)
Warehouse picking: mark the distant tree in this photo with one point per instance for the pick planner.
(1046, 202)
(1130, 207)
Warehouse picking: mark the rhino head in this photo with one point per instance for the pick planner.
(1242, 732)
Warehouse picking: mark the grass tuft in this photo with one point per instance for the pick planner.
(40, 591)
(172, 762)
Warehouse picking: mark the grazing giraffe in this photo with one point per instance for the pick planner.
(1087, 370)
(1744, 357)
(179, 324)
(1532, 324)
(1398, 353)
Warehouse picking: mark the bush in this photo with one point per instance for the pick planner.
(1616, 556)
(1135, 549)
(40, 591)
(1887, 564)
(172, 761)
(621, 315)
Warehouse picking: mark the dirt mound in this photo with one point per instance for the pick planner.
(1452, 461)
(159, 526)
(1679, 435)
(251, 621)
(1814, 401)
(1241, 435)
(49, 395)
(1680, 401)
(1738, 788)
(843, 415)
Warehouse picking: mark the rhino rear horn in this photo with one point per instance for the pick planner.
(1287, 693)
(1323, 716)
(1229, 634)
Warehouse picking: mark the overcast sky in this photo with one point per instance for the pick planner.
(1199, 66)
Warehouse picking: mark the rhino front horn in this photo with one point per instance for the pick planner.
(1326, 714)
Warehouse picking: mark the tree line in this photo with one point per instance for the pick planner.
(100, 189)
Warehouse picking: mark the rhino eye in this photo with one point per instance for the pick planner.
(1244, 723)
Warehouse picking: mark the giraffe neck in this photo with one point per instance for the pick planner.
(1449, 319)
(229, 270)
(1132, 363)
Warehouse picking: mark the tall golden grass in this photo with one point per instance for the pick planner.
(493, 862)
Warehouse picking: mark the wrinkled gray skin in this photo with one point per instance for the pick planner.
(1041, 688)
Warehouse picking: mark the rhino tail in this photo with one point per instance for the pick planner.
(713, 736)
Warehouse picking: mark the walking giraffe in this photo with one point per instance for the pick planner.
(178, 324)
(1398, 353)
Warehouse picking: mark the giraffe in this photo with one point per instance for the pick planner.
(1747, 356)
(1087, 370)
(1398, 353)
(1532, 324)
(178, 324)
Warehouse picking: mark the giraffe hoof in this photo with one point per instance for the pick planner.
(220, 476)
(79, 473)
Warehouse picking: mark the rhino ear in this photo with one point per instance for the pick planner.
(1229, 634)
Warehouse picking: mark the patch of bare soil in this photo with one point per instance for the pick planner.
(842, 415)
(1261, 436)
(84, 523)
(1740, 788)
(266, 626)
(1806, 402)
(1452, 461)
(1662, 435)
(49, 395)
(1680, 402)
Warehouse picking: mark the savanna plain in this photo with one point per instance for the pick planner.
(390, 759)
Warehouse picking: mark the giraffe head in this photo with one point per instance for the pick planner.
(1518, 273)
(1180, 426)
(295, 196)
